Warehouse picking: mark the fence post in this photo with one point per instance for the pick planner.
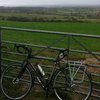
(0, 50)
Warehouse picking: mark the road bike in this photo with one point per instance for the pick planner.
(67, 81)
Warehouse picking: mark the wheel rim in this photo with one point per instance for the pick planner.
(72, 91)
(20, 88)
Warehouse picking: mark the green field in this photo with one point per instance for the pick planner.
(82, 28)
(50, 14)
(88, 28)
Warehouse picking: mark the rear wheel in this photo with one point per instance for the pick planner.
(16, 89)
(72, 84)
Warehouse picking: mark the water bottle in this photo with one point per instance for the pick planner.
(41, 71)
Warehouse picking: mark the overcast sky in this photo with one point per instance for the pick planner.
(48, 2)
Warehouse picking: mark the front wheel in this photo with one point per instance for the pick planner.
(15, 89)
(72, 83)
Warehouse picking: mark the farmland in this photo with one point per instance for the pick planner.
(85, 28)
(50, 14)
(88, 28)
(62, 19)
(71, 20)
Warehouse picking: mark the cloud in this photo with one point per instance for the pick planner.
(48, 2)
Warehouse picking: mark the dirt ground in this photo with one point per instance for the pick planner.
(93, 61)
(37, 93)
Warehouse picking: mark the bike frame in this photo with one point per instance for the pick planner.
(45, 83)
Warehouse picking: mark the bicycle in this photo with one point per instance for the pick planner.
(68, 82)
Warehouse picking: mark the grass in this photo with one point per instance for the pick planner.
(44, 39)
(86, 28)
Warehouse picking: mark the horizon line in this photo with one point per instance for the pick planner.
(49, 5)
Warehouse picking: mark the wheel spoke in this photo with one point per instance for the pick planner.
(76, 88)
(12, 87)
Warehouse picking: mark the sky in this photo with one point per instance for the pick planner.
(49, 2)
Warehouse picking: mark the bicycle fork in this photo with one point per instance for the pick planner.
(23, 68)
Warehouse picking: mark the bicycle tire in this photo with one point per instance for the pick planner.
(19, 89)
(63, 86)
